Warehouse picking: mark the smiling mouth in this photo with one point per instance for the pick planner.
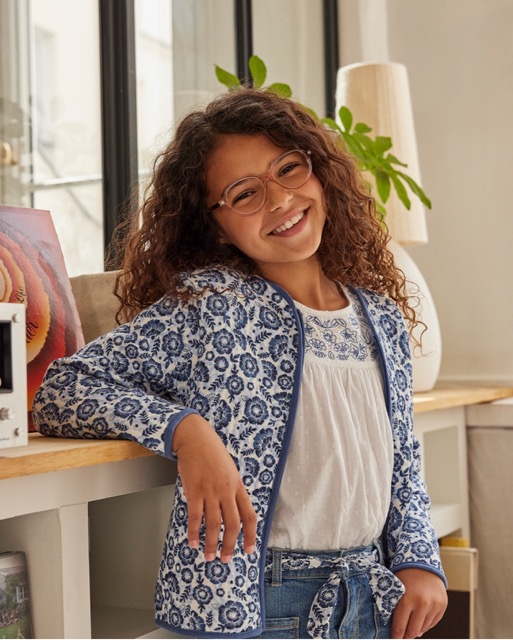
(289, 224)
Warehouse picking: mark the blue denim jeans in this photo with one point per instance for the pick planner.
(289, 595)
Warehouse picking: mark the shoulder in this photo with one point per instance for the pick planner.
(221, 280)
(247, 289)
(377, 302)
(380, 309)
(218, 290)
(386, 318)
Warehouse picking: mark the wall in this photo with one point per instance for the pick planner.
(460, 56)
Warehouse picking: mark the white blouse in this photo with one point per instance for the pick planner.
(335, 492)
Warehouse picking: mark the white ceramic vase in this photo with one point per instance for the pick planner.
(426, 364)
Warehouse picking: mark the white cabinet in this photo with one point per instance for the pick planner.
(93, 538)
(440, 425)
(442, 436)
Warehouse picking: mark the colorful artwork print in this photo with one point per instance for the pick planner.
(32, 272)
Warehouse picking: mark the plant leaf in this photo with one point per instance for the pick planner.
(311, 112)
(332, 124)
(227, 78)
(383, 185)
(354, 147)
(416, 189)
(383, 143)
(258, 71)
(401, 191)
(369, 152)
(393, 160)
(283, 90)
(361, 127)
(346, 118)
(365, 141)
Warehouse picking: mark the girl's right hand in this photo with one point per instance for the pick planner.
(213, 489)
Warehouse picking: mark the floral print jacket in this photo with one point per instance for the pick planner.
(233, 353)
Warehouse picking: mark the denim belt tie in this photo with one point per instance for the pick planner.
(386, 588)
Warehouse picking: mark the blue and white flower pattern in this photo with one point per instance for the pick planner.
(346, 337)
(249, 330)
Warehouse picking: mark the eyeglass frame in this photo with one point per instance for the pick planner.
(264, 179)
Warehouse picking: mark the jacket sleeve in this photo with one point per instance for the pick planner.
(128, 384)
(410, 537)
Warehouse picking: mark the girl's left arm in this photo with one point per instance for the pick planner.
(411, 538)
(412, 546)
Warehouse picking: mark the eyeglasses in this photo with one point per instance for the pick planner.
(247, 195)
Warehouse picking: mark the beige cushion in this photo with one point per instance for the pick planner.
(96, 303)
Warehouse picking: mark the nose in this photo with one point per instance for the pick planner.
(277, 196)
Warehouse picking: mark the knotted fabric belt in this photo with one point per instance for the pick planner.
(386, 588)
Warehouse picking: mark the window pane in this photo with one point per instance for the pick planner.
(67, 128)
(288, 36)
(66, 133)
(177, 44)
(50, 120)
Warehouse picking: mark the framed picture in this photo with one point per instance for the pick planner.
(32, 272)
(15, 619)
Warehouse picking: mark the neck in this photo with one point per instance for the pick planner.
(307, 284)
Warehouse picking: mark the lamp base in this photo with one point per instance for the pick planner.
(426, 361)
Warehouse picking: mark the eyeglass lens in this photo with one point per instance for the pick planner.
(290, 171)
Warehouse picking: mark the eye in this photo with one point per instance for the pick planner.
(288, 168)
(243, 195)
(243, 191)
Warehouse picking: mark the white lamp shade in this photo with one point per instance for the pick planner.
(378, 94)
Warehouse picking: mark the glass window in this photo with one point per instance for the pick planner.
(178, 42)
(57, 154)
(288, 36)
(66, 135)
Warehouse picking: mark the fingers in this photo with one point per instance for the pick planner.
(229, 515)
(413, 623)
(233, 514)
(407, 623)
(249, 522)
(195, 518)
(213, 521)
(422, 605)
(231, 522)
(213, 489)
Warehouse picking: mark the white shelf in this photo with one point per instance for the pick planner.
(447, 518)
(65, 522)
(122, 622)
(442, 437)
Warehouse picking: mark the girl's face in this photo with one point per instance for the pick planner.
(266, 236)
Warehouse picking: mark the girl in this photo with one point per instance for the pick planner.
(266, 351)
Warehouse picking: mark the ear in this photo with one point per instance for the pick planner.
(223, 239)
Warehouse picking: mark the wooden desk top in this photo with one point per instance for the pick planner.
(43, 454)
(447, 395)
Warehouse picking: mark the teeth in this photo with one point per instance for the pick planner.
(290, 223)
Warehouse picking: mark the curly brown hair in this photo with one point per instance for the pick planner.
(173, 231)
